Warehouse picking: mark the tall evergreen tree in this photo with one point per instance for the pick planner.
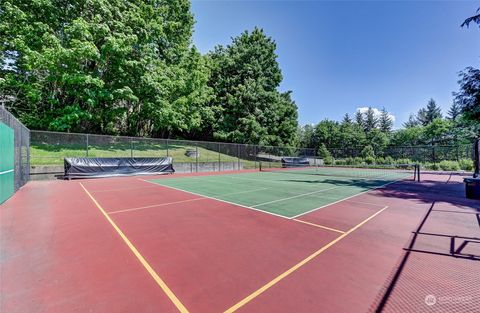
(346, 119)
(426, 115)
(454, 111)
(359, 118)
(385, 121)
(412, 122)
(371, 121)
(245, 79)
(469, 95)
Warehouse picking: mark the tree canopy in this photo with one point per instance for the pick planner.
(115, 66)
(245, 79)
(129, 67)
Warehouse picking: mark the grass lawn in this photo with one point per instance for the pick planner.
(50, 154)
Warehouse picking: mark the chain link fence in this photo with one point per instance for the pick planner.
(21, 146)
(48, 149)
(420, 154)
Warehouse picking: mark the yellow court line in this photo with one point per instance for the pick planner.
(320, 226)
(298, 265)
(142, 260)
(155, 205)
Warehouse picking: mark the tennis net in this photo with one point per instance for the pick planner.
(363, 171)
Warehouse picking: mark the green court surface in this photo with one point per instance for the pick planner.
(287, 194)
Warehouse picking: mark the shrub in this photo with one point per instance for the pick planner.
(370, 160)
(389, 160)
(328, 161)
(349, 161)
(403, 161)
(466, 164)
(341, 162)
(368, 152)
(381, 160)
(357, 160)
(325, 154)
(431, 166)
(449, 165)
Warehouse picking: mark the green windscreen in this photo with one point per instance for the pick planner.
(7, 164)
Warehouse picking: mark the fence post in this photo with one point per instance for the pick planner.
(219, 158)
(238, 156)
(87, 146)
(433, 155)
(131, 148)
(167, 147)
(269, 159)
(196, 157)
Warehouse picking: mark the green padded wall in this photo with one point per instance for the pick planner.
(7, 164)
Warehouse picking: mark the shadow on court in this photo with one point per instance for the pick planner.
(440, 267)
(356, 182)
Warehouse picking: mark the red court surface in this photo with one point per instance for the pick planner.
(126, 245)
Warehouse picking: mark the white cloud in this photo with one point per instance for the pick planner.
(376, 111)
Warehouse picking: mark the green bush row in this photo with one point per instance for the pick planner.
(462, 164)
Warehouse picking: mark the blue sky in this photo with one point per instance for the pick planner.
(337, 56)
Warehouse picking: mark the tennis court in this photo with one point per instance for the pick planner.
(331, 241)
(290, 192)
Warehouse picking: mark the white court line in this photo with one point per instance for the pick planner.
(176, 202)
(293, 197)
(197, 194)
(323, 206)
(339, 177)
(216, 182)
(122, 189)
(5, 172)
(348, 200)
(276, 181)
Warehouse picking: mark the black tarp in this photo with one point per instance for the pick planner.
(294, 162)
(477, 158)
(110, 167)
